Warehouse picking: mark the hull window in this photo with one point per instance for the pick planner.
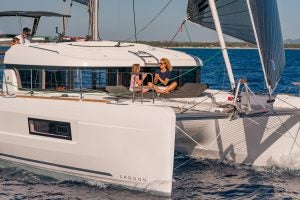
(56, 129)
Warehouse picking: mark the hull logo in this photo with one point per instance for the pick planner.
(133, 178)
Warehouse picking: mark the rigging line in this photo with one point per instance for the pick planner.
(134, 20)
(178, 31)
(288, 130)
(182, 164)
(187, 32)
(193, 106)
(255, 97)
(284, 101)
(295, 139)
(152, 20)
(224, 75)
(191, 138)
(204, 63)
(118, 16)
(215, 141)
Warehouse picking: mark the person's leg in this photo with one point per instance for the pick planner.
(170, 87)
(151, 85)
(145, 90)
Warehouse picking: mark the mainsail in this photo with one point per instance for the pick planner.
(253, 21)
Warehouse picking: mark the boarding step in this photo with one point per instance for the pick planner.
(148, 58)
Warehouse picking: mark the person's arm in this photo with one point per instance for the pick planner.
(164, 82)
(138, 80)
(155, 81)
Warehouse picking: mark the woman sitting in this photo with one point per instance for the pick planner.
(14, 41)
(135, 81)
(162, 83)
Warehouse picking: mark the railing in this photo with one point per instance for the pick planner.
(142, 87)
(66, 81)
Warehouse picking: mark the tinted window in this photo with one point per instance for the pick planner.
(50, 128)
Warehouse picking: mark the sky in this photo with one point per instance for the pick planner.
(116, 19)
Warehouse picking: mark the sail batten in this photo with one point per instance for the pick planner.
(258, 24)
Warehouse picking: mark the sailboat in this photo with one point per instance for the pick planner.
(116, 136)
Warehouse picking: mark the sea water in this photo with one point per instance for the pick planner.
(193, 179)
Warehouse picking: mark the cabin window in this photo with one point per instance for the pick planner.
(186, 75)
(49, 128)
(63, 78)
(29, 78)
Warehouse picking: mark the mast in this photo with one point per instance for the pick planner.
(216, 19)
(259, 49)
(94, 9)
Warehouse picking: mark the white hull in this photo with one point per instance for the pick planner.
(261, 140)
(110, 143)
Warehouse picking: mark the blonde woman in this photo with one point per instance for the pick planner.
(14, 41)
(135, 80)
(162, 83)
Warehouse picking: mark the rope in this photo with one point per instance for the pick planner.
(196, 104)
(191, 138)
(288, 130)
(178, 31)
(182, 164)
(152, 20)
(187, 32)
(134, 20)
(205, 62)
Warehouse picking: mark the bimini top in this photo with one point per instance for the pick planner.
(95, 54)
(33, 14)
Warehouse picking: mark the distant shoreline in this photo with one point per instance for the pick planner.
(245, 48)
(199, 45)
(209, 45)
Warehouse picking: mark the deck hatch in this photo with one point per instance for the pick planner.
(50, 128)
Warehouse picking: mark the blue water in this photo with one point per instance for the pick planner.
(197, 179)
(246, 65)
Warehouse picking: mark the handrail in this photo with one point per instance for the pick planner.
(148, 55)
(44, 49)
(142, 88)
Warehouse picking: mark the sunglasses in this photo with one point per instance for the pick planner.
(162, 63)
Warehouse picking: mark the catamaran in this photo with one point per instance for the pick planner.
(50, 119)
